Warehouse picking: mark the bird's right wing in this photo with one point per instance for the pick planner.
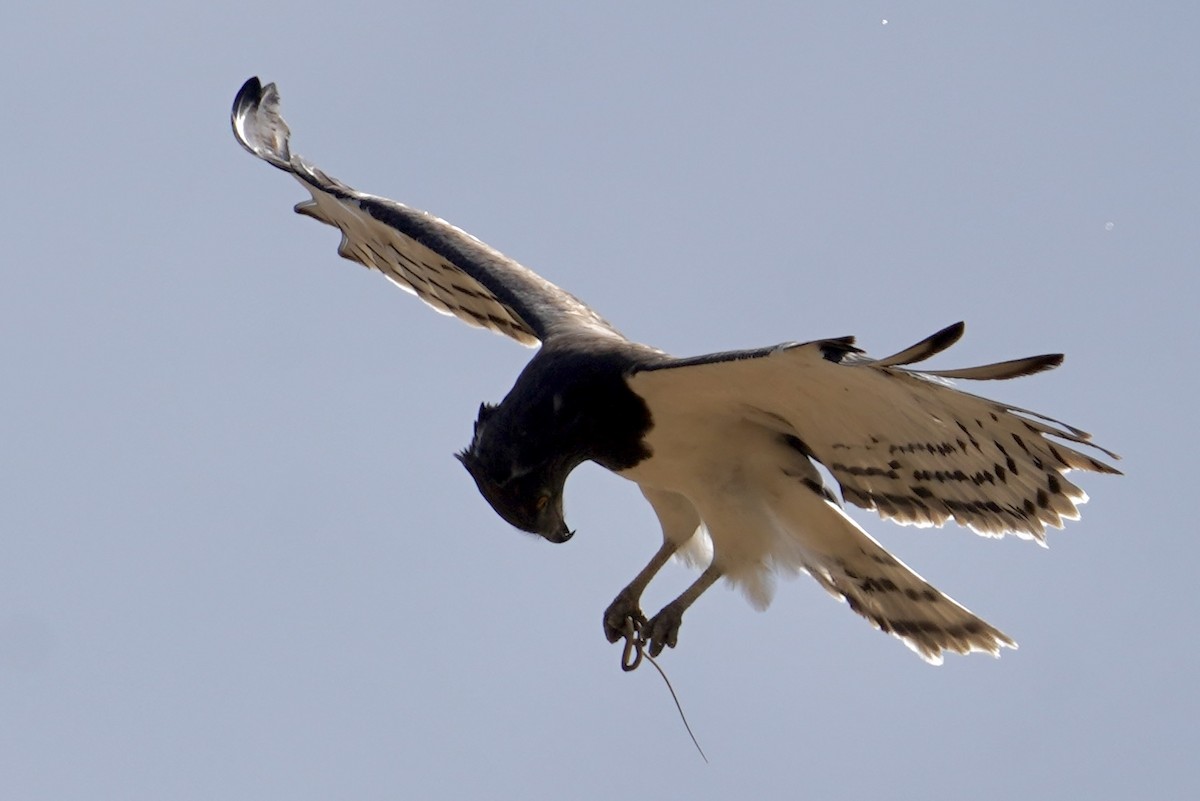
(444, 266)
(900, 441)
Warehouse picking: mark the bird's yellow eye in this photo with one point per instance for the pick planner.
(542, 501)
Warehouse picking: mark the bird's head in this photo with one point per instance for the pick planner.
(521, 478)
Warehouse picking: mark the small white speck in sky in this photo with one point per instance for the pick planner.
(1108, 226)
(885, 22)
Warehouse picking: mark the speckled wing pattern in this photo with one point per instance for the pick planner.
(906, 443)
(441, 264)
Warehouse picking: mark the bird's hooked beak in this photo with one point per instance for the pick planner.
(562, 535)
(535, 511)
(546, 520)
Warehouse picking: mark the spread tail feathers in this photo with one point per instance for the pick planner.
(852, 566)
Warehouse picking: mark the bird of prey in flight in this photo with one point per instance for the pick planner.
(723, 446)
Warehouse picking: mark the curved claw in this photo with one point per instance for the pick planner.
(623, 607)
(663, 630)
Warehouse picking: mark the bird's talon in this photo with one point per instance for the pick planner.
(663, 631)
(619, 612)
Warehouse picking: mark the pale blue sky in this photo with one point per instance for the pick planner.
(237, 560)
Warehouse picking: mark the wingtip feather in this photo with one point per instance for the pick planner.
(257, 124)
(926, 348)
(1000, 371)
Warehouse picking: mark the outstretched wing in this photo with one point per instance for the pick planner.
(444, 266)
(901, 442)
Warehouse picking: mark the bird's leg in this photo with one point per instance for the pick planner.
(628, 601)
(663, 628)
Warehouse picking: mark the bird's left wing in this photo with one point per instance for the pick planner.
(444, 266)
(901, 442)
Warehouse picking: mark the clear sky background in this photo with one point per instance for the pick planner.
(237, 560)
